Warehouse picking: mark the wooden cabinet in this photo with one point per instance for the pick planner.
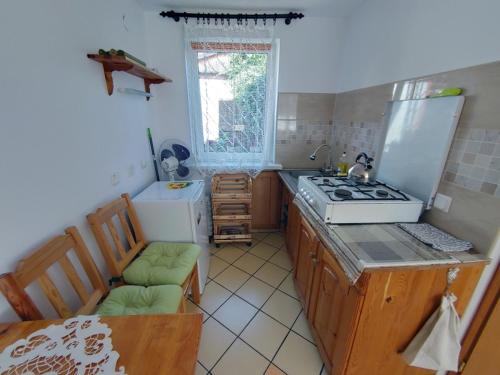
(266, 201)
(361, 328)
(291, 224)
(306, 262)
(334, 306)
(292, 232)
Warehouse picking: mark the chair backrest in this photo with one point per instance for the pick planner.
(34, 268)
(116, 253)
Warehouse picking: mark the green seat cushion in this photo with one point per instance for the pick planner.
(139, 300)
(163, 263)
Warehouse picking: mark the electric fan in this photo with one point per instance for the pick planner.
(172, 157)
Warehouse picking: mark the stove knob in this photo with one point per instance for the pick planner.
(311, 201)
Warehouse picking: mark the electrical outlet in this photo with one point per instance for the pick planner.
(115, 178)
(131, 170)
(442, 202)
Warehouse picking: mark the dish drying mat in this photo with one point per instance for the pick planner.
(435, 237)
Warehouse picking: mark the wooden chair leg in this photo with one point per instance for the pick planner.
(195, 286)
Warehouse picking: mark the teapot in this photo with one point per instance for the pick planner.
(362, 170)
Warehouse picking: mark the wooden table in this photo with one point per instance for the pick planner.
(147, 344)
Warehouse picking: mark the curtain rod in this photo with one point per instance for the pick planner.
(240, 17)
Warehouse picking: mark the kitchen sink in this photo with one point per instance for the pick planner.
(303, 172)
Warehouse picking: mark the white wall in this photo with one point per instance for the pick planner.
(308, 62)
(61, 135)
(390, 40)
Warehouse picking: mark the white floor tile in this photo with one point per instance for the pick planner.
(200, 370)
(282, 259)
(298, 356)
(271, 274)
(302, 327)
(217, 265)
(235, 314)
(192, 308)
(215, 339)
(241, 359)
(249, 263)
(273, 370)
(258, 236)
(255, 291)
(288, 287)
(264, 334)
(263, 250)
(275, 239)
(232, 278)
(229, 253)
(282, 307)
(213, 296)
(244, 245)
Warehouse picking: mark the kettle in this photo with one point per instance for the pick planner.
(362, 171)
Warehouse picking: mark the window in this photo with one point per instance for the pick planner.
(232, 95)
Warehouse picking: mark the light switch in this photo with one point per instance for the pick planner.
(442, 202)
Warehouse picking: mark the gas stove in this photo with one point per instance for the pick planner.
(341, 200)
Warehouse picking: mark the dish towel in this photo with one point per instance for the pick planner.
(435, 237)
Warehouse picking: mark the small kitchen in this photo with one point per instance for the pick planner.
(278, 188)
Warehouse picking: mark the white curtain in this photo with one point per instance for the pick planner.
(232, 75)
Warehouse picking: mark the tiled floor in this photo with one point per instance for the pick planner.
(253, 320)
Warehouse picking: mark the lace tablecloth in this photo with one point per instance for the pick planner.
(81, 345)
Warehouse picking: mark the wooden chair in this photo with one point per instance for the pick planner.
(34, 268)
(116, 255)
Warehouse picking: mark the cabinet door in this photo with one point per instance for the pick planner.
(266, 201)
(333, 312)
(306, 262)
(293, 232)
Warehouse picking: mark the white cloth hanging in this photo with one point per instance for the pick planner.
(437, 345)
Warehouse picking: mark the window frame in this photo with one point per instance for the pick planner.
(213, 159)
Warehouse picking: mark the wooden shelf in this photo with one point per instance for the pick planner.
(120, 63)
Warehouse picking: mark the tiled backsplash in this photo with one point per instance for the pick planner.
(472, 172)
(355, 137)
(304, 122)
(474, 160)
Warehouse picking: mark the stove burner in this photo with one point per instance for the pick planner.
(381, 193)
(343, 193)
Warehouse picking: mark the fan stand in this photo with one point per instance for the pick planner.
(171, 176)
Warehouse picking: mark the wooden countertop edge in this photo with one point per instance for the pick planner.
(426, 266)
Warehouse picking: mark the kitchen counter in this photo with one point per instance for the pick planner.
(290, 177)
(362, 247)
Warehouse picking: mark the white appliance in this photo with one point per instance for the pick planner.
(340, 200)
(176, 215)
(419, 136)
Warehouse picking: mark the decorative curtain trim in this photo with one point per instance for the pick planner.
(228, 47)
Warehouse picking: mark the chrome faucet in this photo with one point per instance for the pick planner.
(328, 168)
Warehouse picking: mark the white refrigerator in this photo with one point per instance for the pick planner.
(176, 215)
